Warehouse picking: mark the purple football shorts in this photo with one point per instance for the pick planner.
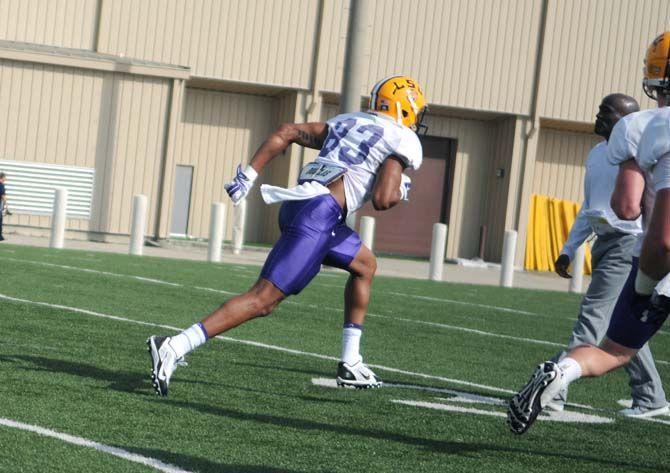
(313, 232)
(625, 326)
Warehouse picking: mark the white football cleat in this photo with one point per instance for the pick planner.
(543, 386)
(164, 362)
(357, 376)
(643, 412)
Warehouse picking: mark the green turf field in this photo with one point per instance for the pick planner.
(73, 360)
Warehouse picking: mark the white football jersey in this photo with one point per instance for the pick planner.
(623, 145)
(655, 141)
(625, 138)
(360, 142)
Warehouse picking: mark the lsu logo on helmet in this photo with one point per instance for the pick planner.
(657, 67)
(401, 98)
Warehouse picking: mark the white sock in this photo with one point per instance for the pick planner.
(351, 343)
(570, 368)
(189, 339)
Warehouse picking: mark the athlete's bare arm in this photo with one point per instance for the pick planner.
(386, 193)
(627, 195)
(310, 135)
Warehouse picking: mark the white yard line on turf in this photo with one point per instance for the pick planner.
(258, 344)
(564, 416)
(473, 304)
(94, 271)
(338, 310)
(82, 442)
(283, 349)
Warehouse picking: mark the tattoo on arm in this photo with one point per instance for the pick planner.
(309, 140)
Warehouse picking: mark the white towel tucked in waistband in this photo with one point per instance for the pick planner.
(306, 190)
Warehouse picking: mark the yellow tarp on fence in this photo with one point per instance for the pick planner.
(549, 223)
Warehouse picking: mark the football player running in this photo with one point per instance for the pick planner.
(640, 145)
(362, 157)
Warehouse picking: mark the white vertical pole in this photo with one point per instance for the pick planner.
(509, 249)
(58, 218)
(239, 222)
(216, 226)
(437, 249)
(367, 231)
(578, 270)
(356, 55)
(138, 225)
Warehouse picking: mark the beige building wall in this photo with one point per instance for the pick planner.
(495, 186)
(260, 41)
(216, 132)
(593, 48)
(64, 23)
(559, 165)
(477, 55)
(112, 122)
(468, 196)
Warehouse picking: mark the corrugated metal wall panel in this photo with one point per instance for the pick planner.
(472, 54)
(497, 187)
(108, 121)
(559, 166)
(263, 41)
(50, 118)
(217, 131)
(280, 171)
(66, 23)
(32, 187)
(594, 48)
(473, 161)
(137, 122)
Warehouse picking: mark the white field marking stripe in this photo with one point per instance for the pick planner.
(474, 304)
(462, 396)
(259, 344)
(167, 283)
(448, 407)
(220, 291)
(470, 330)
(82, 442)
(655, 419)
(565, 416)
(95, 271)
(332, 383)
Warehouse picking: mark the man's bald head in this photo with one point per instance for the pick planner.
(610, 111)
(622, 103)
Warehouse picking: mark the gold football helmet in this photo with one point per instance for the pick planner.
(657, 67)
(401, 98)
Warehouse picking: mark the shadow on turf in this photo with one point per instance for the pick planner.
(125, 381)
(323, 374)
(205, 466)
(440, 446)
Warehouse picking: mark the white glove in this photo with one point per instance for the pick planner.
(240, 186)
(405, 186)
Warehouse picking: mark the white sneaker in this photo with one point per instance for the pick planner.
(539, 391)
(164, 362)
(357, 375)
(642, 412)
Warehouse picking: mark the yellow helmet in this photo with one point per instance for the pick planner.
(401, 98)
(657, 67)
